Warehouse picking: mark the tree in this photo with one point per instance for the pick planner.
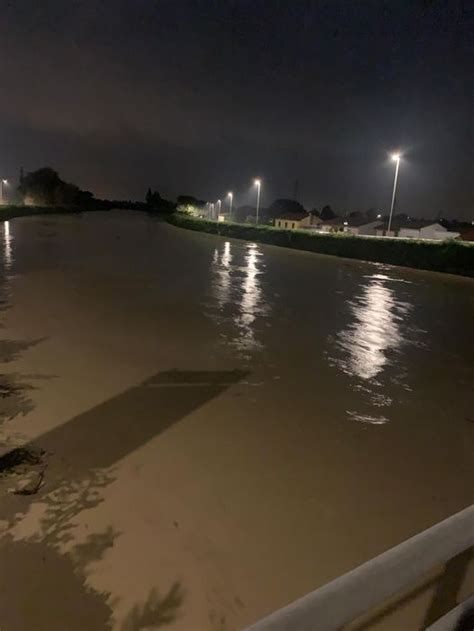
(282, 207)
(153, 199)
(41, 186)
(241, 213)
(315, 212)
(371, 214)
(327, 213)
(189, 200)
(157, 204)
(44, 187)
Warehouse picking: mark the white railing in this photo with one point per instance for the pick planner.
(344, 599)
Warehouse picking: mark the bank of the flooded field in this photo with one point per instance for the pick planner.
(449, 256)
(12, 212)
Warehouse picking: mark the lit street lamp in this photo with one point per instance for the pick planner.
(396, 158)
(258, 184)
(218, 209)
(4, 182)
(231, 197)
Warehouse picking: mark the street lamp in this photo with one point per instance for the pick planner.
(258, 184)
(4, 182)
(396, 158)
(218, 209)
(231, 197)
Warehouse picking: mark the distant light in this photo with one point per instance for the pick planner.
(396, 157)
(346, 223)
(5, 181)
(257, 182)
(379, 216)
(229, 194)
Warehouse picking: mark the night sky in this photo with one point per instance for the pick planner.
(200, 96)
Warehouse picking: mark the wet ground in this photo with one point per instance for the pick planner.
(196, 431)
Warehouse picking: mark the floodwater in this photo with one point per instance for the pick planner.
(216, 427)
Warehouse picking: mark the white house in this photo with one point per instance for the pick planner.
(360, 225)
(351, 225)
(417, 230)
(333, 225)
(426, 230)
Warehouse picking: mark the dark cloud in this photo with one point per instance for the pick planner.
(198, 96)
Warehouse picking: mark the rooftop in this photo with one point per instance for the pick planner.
(292, 216)
(355, 222)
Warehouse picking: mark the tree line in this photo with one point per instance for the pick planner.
(44, 187)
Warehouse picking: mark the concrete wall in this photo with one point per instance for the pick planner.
(410, 233)
(446, 235)
(432, 232)
(365, 229)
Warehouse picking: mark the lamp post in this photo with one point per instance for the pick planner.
(258, 184)
(4, 182)
(396, 158)
(218, 209)
(231, 198)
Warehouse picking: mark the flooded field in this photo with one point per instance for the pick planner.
(198, 431)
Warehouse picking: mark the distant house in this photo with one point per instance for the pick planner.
(333, 225)
(297, 221)
(361, 226)
(467, 235)
(352, 225)
(416, 230)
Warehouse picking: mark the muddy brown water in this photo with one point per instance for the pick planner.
(224, 426)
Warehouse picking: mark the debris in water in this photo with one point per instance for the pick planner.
(30, 484)
(19, 457)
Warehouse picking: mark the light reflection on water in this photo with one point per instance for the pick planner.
(374, 331)
(7, 245)
(238, 292)
(369, 346)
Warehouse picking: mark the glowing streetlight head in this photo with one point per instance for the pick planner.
(230, 194)
(257, 182)
(379, 216)
(396, 157)
(5, 181)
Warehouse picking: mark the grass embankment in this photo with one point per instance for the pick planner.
(10, 212)
(449, 256)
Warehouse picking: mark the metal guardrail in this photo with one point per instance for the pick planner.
(449, 621)
(344, 599)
